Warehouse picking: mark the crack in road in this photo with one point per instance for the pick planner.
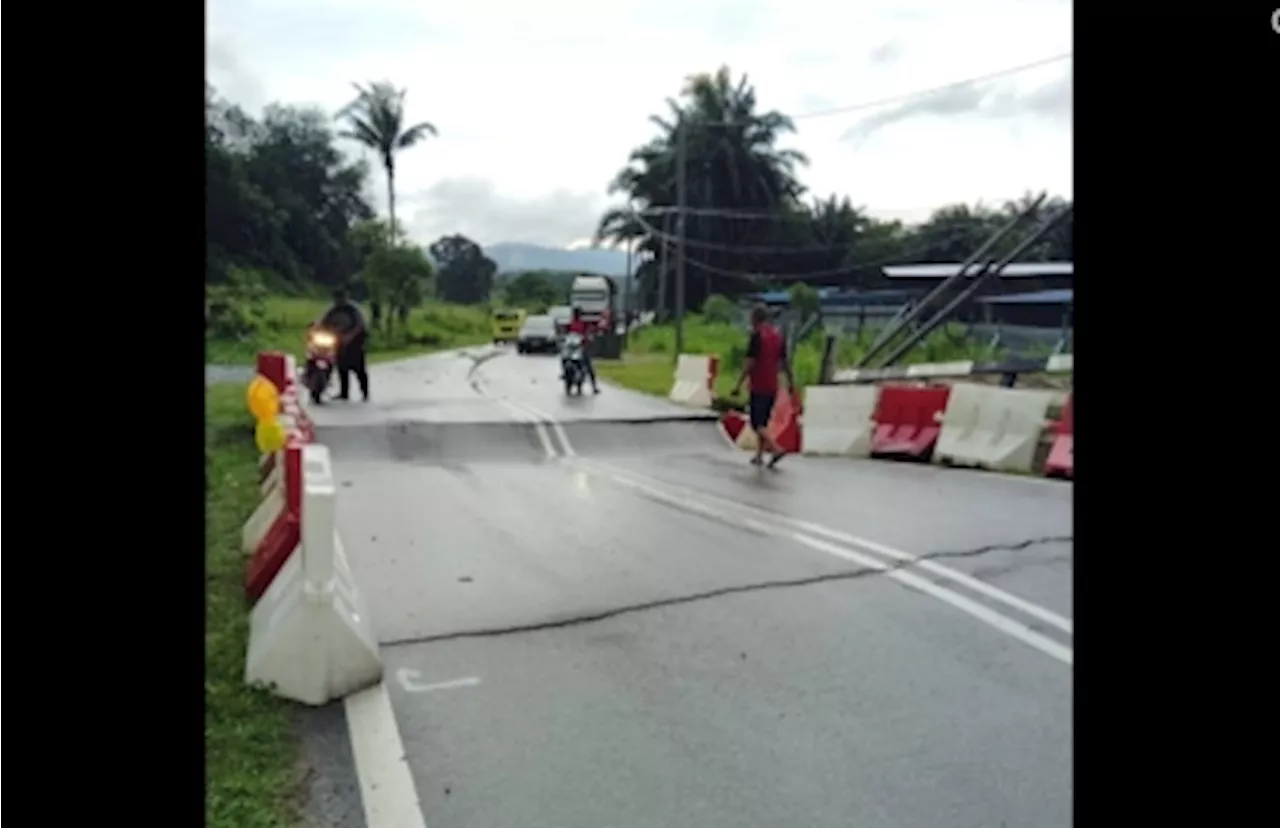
(759, 586)
(997, 547)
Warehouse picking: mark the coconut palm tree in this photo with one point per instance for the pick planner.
(376, 119)
(733, 163)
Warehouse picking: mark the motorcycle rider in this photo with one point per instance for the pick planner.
(579, 326)
(345, 320)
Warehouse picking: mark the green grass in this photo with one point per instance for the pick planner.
(650, 358)
(251, 749)
(435, 326)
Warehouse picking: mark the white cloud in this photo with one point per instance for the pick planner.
(539, 104)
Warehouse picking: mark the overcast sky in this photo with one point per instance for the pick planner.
(538, 104)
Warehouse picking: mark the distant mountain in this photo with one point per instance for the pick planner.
(514, 257)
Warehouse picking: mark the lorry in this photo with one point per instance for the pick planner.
(596, 296)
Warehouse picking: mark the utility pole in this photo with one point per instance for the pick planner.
(661, 314)
(626, 294)
(682, 174)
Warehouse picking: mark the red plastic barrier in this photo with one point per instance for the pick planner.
(907, 420)
(784, 423)
(1061, 461)
(733, 423)
(285, 532)
(274, 366)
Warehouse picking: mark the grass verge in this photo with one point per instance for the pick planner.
(650, 359)
(436, 326)
(251, 748)
(651, 374)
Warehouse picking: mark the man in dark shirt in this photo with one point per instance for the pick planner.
(579, 326)
(766, 357)
(345, 320)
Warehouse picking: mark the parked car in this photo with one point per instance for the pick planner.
(561, 314)
(538, 335)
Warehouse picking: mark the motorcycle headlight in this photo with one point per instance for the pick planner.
(323, 340)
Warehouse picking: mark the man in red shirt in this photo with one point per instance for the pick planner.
(766, 357)
(579, 326)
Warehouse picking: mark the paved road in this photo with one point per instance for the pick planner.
(593, 623)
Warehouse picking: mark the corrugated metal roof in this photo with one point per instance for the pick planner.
(1017, 270)
(1037, 297)
(835, 296)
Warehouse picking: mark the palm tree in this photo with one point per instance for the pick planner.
(376, 119)
(732, 163)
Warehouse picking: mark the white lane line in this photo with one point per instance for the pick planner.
(941, 570)
(386, 785)
(988, 616)
(524, 416)
(966, 605)
(409, 680)
(541, 420)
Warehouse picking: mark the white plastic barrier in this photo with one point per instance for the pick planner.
(310, 638)
(837, 419)
(995, 428)
(694, 380)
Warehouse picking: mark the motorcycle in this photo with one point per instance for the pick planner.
(322, 351)
(573, 366)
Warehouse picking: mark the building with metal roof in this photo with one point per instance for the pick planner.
(1037, 297)
(1016, 270)
(830, 297)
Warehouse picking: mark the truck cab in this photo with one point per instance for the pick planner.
(594, 295)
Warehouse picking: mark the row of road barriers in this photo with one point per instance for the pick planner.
(310, 636)
(965, 424)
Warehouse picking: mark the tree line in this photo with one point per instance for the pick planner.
(751, 222)
(286, 211)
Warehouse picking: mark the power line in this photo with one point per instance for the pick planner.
(907, 96)
(776, 250)
(1012, 70)
(841, 110)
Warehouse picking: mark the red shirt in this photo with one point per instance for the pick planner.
(768, 349)
(578, 326)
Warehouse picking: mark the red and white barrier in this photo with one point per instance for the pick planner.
(271, 468)
(271, 535)
(784, 425)
(993, 428)
(310, 637)
(695, 380)
(838, 419)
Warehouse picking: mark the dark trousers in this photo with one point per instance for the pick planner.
(760, 409)
(352, 360)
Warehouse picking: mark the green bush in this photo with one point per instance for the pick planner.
(236, 309)
(720, 309)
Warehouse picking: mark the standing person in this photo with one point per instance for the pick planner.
(345, 320)
(579, 326)
(766, 357)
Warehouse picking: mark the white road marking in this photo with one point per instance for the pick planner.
(565, 445)
(982, 613)
(386, 785)
(409, 681)
(802, 532)
(954, 575)
(524, 416)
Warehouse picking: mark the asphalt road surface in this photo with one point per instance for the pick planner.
(594, 613)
